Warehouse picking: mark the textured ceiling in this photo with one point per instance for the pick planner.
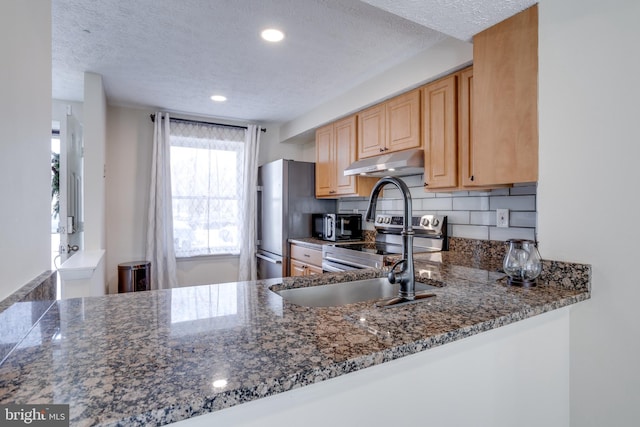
(173, 55)
(461, 19)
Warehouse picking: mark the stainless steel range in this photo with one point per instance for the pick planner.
(430, 236)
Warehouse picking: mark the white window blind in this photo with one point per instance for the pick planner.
(207, 169)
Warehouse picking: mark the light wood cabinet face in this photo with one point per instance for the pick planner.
(391, 126)
(345, 149)
(306, 255)
(305, 261)
(335, 150)
(312, 269)
(403, 121)
(297, 268)
(505, 119)
(325, 164)
(371, 131)
(465, 136)
(440, 136)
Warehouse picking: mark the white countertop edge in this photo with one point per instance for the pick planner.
(81, 265)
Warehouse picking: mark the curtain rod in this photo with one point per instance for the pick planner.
(153, 119)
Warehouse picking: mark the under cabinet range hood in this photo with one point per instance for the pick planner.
(400, 163)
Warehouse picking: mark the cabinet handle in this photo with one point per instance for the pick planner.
(471, 177)
(307, 255)
(381, 150)
(386, 148)
(426, 185)
(332, 191)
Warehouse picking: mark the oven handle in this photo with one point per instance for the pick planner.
(350, 263)
(331, 268)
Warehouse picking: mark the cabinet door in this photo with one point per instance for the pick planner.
(298, 268)
(371, 131)
(325, 161)
(439, 110)
(312, 269)
(465, 135)
(345, 149)
(403, 121)
(505, 119)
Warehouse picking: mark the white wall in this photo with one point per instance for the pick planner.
(589, 153)
(272, 149)
(95, 124)
(516, 375)
(25, 141)
(442, 58)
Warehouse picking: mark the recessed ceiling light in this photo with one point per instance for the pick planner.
(272, 35)
(218, 98)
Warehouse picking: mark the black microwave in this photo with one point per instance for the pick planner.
(336, 227)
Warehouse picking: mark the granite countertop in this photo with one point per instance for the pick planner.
(152, 358)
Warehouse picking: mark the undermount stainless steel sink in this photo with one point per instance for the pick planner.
(337, 294)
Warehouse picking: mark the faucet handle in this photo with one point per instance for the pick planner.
(392, 275)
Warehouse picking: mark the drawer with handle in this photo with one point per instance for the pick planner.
(306, 255)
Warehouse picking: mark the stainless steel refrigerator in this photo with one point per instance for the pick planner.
(286, 202)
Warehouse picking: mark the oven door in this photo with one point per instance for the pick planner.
(338, 267)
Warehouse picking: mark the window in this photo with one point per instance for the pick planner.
(207, 169)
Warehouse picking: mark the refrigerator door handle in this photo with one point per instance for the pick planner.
(271, 260)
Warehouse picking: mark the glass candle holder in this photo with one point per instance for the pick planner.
(522, 262)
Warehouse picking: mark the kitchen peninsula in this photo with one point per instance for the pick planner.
(158, 357)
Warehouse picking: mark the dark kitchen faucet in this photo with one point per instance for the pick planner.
(406, 276)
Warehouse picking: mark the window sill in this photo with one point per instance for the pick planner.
(205, 257)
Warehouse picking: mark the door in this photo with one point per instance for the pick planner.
(70, 187)
(75, 184)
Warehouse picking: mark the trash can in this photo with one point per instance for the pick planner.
(134, 276)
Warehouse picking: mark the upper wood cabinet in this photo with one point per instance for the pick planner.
(335, 150)
(465, 137)
(372, 131)
(504, 104)
(391, 126)
(403, 121)
(439, 133)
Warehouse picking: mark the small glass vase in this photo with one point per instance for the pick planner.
(522, 263)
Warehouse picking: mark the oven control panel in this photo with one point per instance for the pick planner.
(425, 224)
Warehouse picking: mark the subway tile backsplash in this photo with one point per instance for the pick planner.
(470, 214)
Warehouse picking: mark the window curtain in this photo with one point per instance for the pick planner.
(160, 251)
(247, 261)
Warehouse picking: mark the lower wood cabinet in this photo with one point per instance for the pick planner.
(305, 261)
